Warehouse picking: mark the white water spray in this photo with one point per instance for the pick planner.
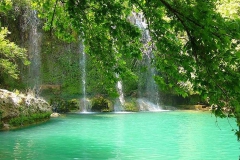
(149, 96)
(83, 78)
(120, 90)
(34, 49)
(119, 103)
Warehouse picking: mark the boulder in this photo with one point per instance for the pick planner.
(15, 105)
(54, 115)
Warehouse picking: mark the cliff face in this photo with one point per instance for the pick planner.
(17, 109)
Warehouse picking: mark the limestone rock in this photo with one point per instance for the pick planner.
(54, 115)
(14, 104)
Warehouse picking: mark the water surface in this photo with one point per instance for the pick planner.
(170, 135)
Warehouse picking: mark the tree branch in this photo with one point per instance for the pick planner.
(176, 12)
(54, 11)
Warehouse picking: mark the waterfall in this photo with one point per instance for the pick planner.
(149, 96)
(148, 91)
(82, 62)
(120, 101)
(120, 91)
(34, 49)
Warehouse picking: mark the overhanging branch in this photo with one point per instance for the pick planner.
(54, 11)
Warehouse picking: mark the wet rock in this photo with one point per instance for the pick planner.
(54, 115)
(15, 104)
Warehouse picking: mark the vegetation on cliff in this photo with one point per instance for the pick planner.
(10, 54)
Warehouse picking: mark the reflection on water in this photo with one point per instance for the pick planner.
(156, 135)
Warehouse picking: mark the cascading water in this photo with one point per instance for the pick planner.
(120, 90)
(34, 49)
(119, 103)
(148, 91)
(149, 96)
(82, 61)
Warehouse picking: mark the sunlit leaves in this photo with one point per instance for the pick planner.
(10, 53)
(57, 20)
(5, 5)
(229, 9)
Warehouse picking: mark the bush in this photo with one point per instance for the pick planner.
(73, 104)
(31, 119)
(131, 106)
(61, 105)
(99, 104)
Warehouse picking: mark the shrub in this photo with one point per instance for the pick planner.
(31, 119)
(59, 105)
(62, 106)
(73, 104)
(131, 106)
(99, 104)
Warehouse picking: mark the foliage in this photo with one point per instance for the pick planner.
(131, 106)
(10, 54)
(106, 45)
(5, 6)
(229, 9)
(73, 104)
(67, 67)
(99, 104)
(59, 105)
(62, 105)
(30, 119)
(1, 124)
(62, 65)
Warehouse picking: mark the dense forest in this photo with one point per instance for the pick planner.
(194, 48)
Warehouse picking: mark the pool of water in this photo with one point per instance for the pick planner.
(170, 135)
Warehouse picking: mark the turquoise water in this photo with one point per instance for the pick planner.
(170, 135)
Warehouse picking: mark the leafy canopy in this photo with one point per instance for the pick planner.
(10, 53)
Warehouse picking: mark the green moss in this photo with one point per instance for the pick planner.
(31, 119)
(131, 106)
(73, 104)
(1, 124)
(100, 104)
(61, 105)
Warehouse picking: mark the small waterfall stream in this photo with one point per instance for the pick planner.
(82, 62)
(120, 101)
(120, 91)
(148, 93)
(34, 49)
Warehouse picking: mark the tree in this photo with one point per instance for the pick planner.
(192, 41)
(10, 53)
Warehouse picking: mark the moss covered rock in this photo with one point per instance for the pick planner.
(17, 109)
(99, 104)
